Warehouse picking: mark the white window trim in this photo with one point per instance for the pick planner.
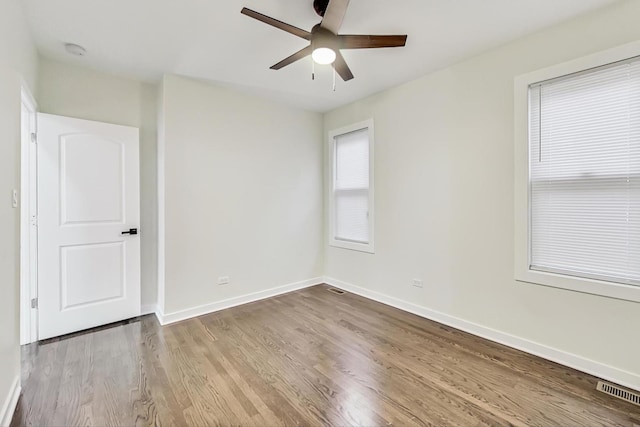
(521, 179)
(362, 247)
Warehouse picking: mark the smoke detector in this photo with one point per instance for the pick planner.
(75, 49)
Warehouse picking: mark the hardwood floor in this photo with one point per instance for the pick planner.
(302, 359)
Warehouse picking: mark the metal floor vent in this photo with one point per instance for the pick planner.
(619, 392)
(336, 291)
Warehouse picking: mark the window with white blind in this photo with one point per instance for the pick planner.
(351, 198)
(583, 180)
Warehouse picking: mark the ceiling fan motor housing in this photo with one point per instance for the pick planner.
(321, 37)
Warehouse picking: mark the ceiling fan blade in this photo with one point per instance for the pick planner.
(369, 42)
(342, 68)
(293, 58)
(334, 15)
(278, 24)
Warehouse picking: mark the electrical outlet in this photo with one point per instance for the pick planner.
(223, 280)
(14, 199)
(417, 283)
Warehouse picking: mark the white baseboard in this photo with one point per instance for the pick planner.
(10, 402)
(606, 372)
(177, 316)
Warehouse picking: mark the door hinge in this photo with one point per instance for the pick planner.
(34, 302)
(34, 137)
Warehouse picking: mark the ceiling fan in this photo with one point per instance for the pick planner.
(325, 41)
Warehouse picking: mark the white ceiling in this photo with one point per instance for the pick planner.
(211, 40)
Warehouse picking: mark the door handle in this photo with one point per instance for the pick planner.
(131, 231)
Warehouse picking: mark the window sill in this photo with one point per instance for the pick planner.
(576, 284)
(360, 247)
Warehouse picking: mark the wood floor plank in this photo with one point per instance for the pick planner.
(75, 392)
(34, 409)
(305, 358)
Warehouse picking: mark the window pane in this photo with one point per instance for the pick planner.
(352, 160)
(351, 215)
(587, 124)
(584, 226)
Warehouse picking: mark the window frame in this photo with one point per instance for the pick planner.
(522, 190)
(332, 241)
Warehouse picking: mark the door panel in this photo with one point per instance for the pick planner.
(88, 193)
(104, 262)
(92, 179)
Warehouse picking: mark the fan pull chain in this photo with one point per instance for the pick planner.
(313, 69)
(334, 78)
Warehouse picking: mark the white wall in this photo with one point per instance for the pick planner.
(242, 194)
(17, 59)
(444, 167)
(69, 90)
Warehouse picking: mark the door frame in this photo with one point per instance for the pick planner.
(28, 218)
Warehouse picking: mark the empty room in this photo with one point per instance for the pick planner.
(320, 213)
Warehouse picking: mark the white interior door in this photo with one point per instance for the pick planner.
(88, 194)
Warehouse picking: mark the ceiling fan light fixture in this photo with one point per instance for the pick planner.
(323, 55)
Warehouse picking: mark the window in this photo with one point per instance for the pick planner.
(351, 198)
(583, 180)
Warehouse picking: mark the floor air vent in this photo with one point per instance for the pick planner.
(336, 291)
(619, 392)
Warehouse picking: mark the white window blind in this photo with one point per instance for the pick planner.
(351, 187)
(584, 142)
